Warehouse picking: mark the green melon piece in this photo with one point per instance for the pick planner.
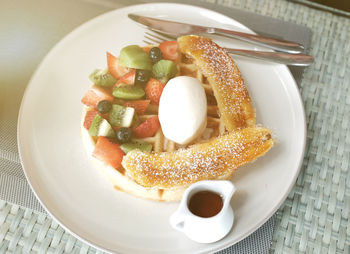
(134, 57)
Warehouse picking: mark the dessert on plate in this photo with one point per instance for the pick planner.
(162, 117)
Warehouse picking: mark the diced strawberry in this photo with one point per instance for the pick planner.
(128, 78)
(89, 116)
(154, 89)
(148, 128)
(115, 128)
(169, 50)
(96, 94)
(114, 67)
(139, 106)
(108, 152)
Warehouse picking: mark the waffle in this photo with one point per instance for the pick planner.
(218, 125)
(215, 126)
(121, 181)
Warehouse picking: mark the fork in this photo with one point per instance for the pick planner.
(153, 37)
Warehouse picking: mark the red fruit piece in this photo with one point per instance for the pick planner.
(115, 128)
(148, 128)
(169, 50)
(147, 48)
(128, 78)
(108, 152)
(154, 89)
(114, 67)
(89, 117)
(139, 106)
(96, 94)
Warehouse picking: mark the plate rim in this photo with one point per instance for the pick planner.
(91, 21)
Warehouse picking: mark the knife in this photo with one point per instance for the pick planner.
(179, 29)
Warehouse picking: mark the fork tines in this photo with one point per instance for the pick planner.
(154, 37)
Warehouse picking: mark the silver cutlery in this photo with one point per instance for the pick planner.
(178, 29)
(278, 57)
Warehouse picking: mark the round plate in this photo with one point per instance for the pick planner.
(84, 202)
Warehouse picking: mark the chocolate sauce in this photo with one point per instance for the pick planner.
(205, 204)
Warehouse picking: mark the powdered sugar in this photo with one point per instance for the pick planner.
(225, 78)
(214, 159)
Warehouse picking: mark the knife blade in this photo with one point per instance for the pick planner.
(178, 29)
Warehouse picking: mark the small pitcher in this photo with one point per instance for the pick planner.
(205, 229)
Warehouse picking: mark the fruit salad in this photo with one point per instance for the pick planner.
(121, 94)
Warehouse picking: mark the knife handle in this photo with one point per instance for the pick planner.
(269, 42)
(278, 57)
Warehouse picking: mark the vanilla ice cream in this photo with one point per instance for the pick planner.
(183, 110)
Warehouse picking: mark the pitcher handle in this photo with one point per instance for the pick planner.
(177, 220)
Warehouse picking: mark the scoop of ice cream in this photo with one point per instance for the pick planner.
(183, 110)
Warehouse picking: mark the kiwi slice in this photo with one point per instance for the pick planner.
(102, 78)
(128, 92)
(101, 127)
(143, 146)
(121, 116)
(136, 121)
(134, 57)
(164, 69)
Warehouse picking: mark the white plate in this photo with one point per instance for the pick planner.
(83, 202)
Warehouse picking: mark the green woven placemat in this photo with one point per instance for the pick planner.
(27, 231)
(315, 218)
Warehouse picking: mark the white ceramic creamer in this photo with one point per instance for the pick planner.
(205, 229)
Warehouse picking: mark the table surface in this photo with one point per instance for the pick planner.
(315, 218)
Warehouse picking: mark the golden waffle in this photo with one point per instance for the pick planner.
(215, 127)
(133, 181)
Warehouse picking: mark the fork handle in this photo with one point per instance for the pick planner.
(269, 42)
(278, 57)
